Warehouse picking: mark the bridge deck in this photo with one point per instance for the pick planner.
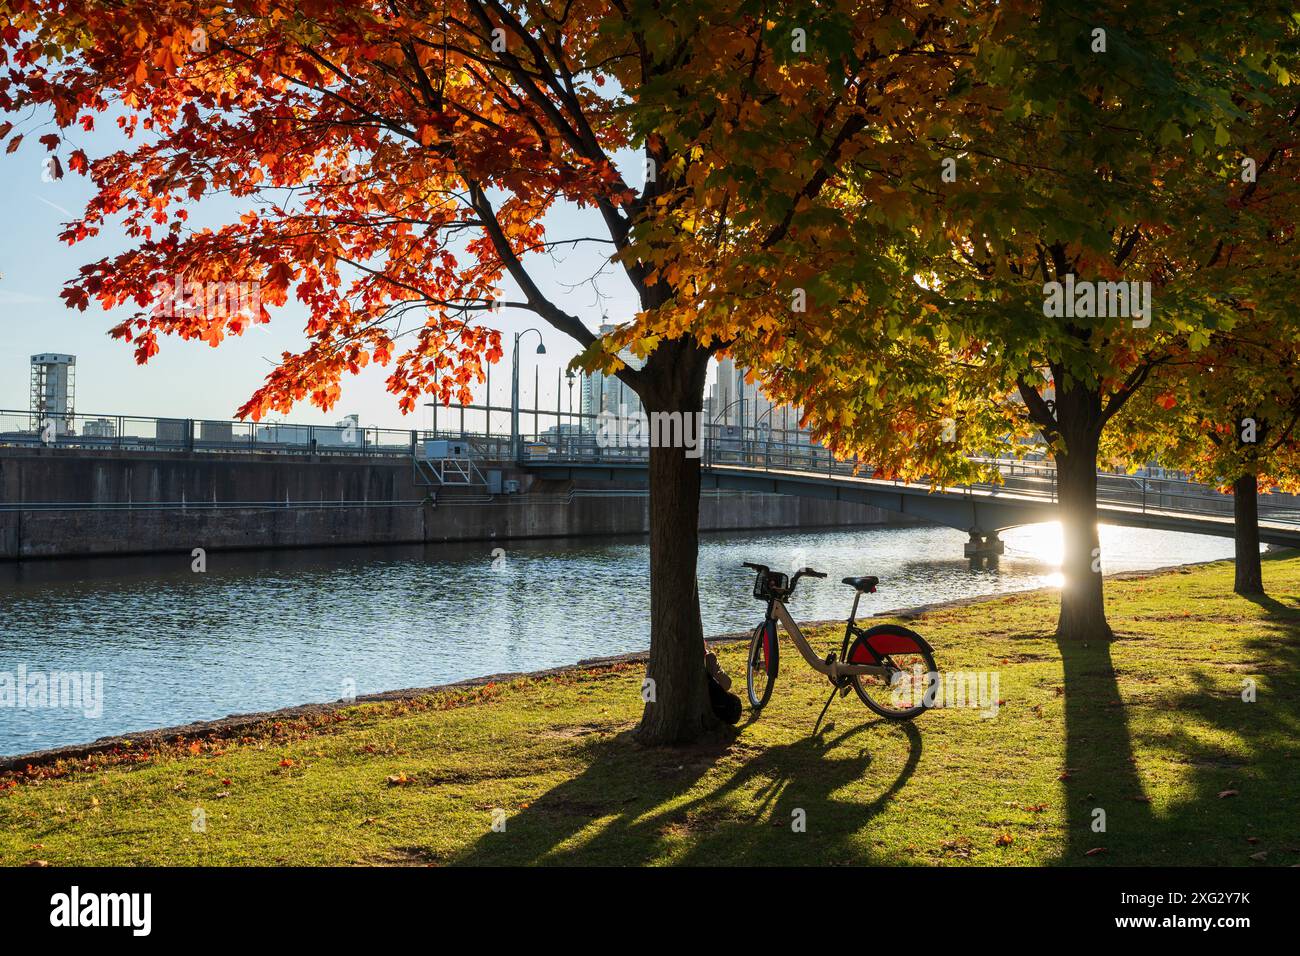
(1025, 500)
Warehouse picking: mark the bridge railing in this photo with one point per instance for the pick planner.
(587, 439)
(1019, 477)
(147, 433)
(486, 428)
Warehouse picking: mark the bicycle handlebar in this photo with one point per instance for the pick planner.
(805, 572)
(763, 569)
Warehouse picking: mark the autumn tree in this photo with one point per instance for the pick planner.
(1094, 151)
(1228, 415)
(396, 157)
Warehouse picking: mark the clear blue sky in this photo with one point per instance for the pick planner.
(191, 379)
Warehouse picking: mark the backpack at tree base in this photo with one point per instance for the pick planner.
(726, 705)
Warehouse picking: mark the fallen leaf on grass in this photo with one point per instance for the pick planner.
(1096, 851)
(1004, 839)
(398, 780)
(959, 847)
(1229, 793)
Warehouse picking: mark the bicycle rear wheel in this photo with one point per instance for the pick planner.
(762, 664)
(900, 693)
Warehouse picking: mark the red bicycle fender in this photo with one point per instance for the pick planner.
(885, 639)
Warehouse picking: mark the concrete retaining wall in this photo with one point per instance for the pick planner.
(61, 503)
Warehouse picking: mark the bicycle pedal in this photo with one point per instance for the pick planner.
(844, 690)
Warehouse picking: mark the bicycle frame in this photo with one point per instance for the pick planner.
(835, 670)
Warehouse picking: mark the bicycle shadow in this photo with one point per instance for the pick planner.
(797, 808)
(643, 788)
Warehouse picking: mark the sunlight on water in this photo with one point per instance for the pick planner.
(271, 629)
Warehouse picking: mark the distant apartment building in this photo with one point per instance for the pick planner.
(99, 428)
(608, 394)
(733, 401)
(730, 401)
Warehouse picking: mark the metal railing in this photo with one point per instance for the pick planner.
(574, 438)
(1153, 492)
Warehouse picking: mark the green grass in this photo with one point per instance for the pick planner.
(1150, 728)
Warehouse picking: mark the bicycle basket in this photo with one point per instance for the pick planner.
(770, 585)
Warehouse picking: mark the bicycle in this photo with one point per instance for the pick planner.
(888, 661)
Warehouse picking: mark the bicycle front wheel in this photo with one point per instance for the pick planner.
(900, 693)
(761, 664)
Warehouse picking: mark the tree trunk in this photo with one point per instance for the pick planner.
(1245, 512)
(677, 708)
(1083, 607)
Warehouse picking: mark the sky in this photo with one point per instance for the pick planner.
(194, 380)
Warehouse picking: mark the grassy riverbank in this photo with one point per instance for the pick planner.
(1151, 729)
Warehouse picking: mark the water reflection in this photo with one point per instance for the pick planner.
(261, 630)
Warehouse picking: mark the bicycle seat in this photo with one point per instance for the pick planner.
(865, 584)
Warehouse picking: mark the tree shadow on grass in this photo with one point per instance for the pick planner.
(1241, 801)
(726, 802)
(1240, 796)
(1100, 770)
(1275, 607)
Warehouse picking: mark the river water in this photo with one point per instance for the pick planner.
(258, 631)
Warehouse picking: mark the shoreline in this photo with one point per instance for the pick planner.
(224, 727)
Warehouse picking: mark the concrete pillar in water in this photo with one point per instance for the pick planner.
(982, 545)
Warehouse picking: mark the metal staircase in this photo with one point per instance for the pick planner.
(442, 463)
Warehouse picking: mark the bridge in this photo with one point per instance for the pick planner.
(1026, 493)
(733, 457)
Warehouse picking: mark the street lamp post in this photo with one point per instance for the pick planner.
(568, 374)
(515, 444)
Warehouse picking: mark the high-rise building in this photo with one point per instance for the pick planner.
(730, 400)
(733, 401)
(608, 393)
